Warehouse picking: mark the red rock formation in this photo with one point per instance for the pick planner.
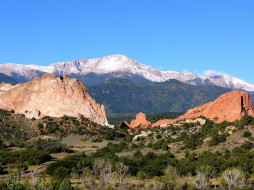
(52, 96)
(140, 121)
(228, 107)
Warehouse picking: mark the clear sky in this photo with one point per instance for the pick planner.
(181, 35)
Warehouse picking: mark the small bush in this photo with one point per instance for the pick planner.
(247, 134)
(96, 140)
(246, 120)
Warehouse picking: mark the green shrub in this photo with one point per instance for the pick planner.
(134, 146)
(97, 140)
(164, 146)
(157, 145)
(158, 136)
(247, 134)
(65, 185)
(31, 156)
(246, 120)
(61, 173)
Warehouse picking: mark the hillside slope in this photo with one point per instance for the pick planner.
(123, 96)
(7, 79)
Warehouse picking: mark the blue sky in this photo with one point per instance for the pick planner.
(181, 35)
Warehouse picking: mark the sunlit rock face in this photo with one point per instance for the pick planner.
(53, 96)
(228, 107)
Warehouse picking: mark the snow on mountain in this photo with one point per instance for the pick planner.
(225, 80)
(183, 77)
(123, 66)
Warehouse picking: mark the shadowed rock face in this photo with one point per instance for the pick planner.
(52, 96)
(228, 107)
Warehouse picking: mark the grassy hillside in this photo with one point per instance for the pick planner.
(123, 96)
(15, 126)
(187, 150)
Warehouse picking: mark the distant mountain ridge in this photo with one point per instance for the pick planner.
(94, 71)
(124, 96)
(7, 79)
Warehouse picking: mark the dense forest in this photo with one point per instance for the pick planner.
(124, 96)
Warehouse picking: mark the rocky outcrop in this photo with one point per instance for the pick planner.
(140, 121)
(53, 96)
(228, 107)
(163, 122)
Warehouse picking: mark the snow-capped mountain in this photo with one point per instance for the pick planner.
(225, 80)
(92, 71)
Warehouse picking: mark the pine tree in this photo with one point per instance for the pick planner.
(65, 184)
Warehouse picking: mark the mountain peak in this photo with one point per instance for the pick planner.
(120, 66)
(116, 56)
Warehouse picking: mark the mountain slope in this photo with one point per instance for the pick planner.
(7, 79)
(94, 71)
(123, 96)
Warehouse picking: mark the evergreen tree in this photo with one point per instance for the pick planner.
(65, 184)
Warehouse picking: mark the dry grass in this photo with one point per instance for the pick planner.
(75, 141)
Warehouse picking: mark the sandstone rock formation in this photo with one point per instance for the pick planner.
(140, 121)
(53, 96)
(228, 107)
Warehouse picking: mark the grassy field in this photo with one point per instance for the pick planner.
(75, 145)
